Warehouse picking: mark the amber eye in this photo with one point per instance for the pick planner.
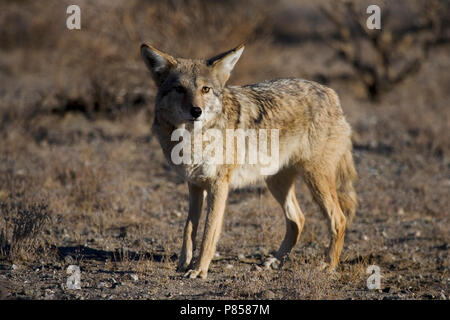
(205, 89)
(179, 89)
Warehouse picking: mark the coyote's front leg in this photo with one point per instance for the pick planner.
(190, 229)
(216, 200)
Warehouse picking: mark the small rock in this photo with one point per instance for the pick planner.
(365, 238)
(401, 212)
(177, 213)
(15, 267)
(68, 260)
(442, 295)
(72, 269)
(101, 285)
(241, 256)
(229, 266)
(73, 282)
(134, 277)
(268, 294)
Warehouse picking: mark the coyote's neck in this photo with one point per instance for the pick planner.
(231, 108)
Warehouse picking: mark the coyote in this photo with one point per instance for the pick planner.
(314, 142)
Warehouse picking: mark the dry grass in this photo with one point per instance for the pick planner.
(20, 232)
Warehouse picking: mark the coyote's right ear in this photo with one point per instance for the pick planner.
(159, 63)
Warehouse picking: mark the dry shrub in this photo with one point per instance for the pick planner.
(24, 214)
(383, 58)
(20, 230)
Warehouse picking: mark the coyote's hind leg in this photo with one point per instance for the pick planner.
(322, 183)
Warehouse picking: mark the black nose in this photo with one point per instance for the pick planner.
(196, 112)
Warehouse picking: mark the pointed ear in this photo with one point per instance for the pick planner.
(224, 63)
(159, 63)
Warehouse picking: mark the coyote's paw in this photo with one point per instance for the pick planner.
(325, 266)
(194, 273)
(272, 263)
(329, 269)
(182, 267)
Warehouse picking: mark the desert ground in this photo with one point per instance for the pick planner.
(84, 182)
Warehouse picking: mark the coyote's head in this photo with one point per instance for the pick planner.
(189, 89)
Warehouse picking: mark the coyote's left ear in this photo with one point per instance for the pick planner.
(224, 63)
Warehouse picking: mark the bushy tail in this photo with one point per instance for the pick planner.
(345, 176)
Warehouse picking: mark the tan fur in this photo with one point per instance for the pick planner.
(314, 141)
